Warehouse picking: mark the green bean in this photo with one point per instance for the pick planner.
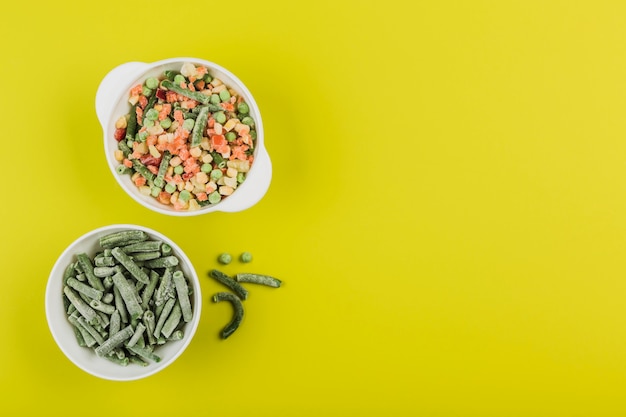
(128, 295)
(131, 124)
(130, 265)
(117, 360)
(114, 341)
(148, 291)
(143, 170)
(163, 262)
(87, 267)
(151, 101)
(172, 320)
(105, 271)
(115, 322)
(145, 246)
(146, 256)
(107, 282)
(177, 335)
(165, 290)
(104, 261)
(167, 308)
(84, 289)
(138, 333)
(229, 282)
(122, 238)
(120, 305)
(165, 163)
(68, 272)
(230, 328)
(182, 289)
(83, 308)
(198, 128)
(87, 338)
(145, 353)
(100, 306)
(258, 279)
(170, 74)
(90, 329)
(150, 322)
(166, 249)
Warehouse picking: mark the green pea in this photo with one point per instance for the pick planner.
(154, 191)
(152, 114)
(214, 99)
(253, 134)
(206, 168)
(188, 124)
(166, 123)
(243, 108)
(230, 136)
(179, 78)
(245, 257)
(170, 187)
(224, 258)
(240, 177)
(152, 83)
(146, 91)
(224, 95)
(220, 117)
(215, 197)
(179, 169)
(248, 121)
(208, 78)
(216, 174)
(184, 196)
(148, 123)
(141, 136)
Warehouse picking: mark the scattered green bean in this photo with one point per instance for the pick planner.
(258, 279)
(229, 282)
(230, 328)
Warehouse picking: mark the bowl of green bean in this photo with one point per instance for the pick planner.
(183, 136)
(123, 302)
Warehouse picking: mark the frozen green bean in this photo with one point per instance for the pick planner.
(105, 271)
(120, 306)
(128, 295)
(182, 289)
(138, 333)
(233, 325)
(100, 306)
(84, 289)
(229, 282)
(148, 291)
(90, 329)
(198, 129)
(167, 308)
(87, 267)
(172, 321)
(163, 262)
(145, 246)
(130, 265)
(83, 308)
(114, 341)
(258, 279)
(115, 323)
(145, 353)
(122, 238)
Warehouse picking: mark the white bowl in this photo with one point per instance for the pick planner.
(112, 102)
(84, 357)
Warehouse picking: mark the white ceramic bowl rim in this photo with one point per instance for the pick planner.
(84, 357)
(111, 103)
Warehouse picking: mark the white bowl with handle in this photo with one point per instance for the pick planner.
(112, 102)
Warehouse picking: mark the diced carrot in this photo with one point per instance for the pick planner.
(127, 163)
(165, 111)
(200, 70)
(151, 140)
(143, 101)
(139, 181)
(202, 197)
(136, 90)
(178, 116)
(153, 168)
(177, 179)
(179, 205)
(164, 197)
(171, 97)
(228, 106)
(139, 113)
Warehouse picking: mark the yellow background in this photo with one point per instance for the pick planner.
(448, 206)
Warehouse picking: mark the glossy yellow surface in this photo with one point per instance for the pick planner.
(448, 207)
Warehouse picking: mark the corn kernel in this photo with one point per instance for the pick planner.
(204, 144)
(210, 187)
(175, 161)
(195, 151)
(133, 100)
(188, 70)
(188, 186)
(119, 155)
(226, 190)
(174, 197)
(215, 82)
(207, 158)
(217, 128)
(120, 123)
(230, 124)
(193, 204)
(231, 182)
(218, 88)
(202, 178)
(144, 190)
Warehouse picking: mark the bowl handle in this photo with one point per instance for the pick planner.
(256, 187)
(109, 88)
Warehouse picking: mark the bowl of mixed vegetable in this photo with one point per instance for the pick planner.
(183, 136)
(123, 302)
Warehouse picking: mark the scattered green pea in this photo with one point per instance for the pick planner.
(245, 257)
(224, 258)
